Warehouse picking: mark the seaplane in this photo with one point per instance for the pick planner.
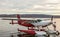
(34, 23)
(31, 23)
(35, 33)
(42, 32)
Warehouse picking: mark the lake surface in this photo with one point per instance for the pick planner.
(6, 29)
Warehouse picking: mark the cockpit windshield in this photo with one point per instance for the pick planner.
(35, 21)
(39, 20)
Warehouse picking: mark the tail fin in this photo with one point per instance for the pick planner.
(18, 16)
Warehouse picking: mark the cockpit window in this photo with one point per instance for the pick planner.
(38, 20)
(35, 21)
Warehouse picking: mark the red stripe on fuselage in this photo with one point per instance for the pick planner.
(31, 32)
(25, 23)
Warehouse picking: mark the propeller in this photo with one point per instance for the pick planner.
(51, 18)
(57, 32)
(54, 25)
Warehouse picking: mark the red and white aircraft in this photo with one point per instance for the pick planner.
(42, 32)
(32, 32)
(31, 23)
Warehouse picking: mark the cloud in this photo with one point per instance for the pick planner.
(42, 6)
(53, 1)
(45, 7)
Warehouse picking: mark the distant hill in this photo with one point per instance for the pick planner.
(30, 15)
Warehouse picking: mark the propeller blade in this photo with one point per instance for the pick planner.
(53, 23)
(52, 18)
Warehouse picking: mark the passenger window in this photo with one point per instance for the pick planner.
(35, 21)
(32, 21)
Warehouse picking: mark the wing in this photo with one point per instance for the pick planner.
(17, 19)
(9, 19)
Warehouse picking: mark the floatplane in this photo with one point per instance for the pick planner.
(35, 23)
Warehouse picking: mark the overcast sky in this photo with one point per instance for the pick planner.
(30, 6)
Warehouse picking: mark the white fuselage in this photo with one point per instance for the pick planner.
(42, 23)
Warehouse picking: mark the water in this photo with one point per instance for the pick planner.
(6, 29)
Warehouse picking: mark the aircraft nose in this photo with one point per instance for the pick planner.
(50, 23)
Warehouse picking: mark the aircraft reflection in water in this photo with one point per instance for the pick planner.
(31, 24)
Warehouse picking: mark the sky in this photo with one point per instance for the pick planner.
(30, 7)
